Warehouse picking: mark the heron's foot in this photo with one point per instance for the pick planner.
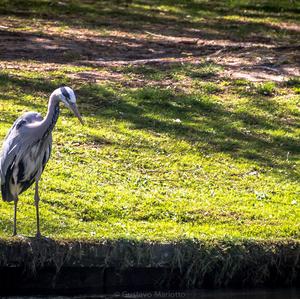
(19, 236)
(38, 235)
(42, 238)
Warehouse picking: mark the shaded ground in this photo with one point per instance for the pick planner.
(248, 41)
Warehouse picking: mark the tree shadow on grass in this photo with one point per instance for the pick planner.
(131, 18)
(207, 125)
(15, 89)
(97, 13)
(25, 85)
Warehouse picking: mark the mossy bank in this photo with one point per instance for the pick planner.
(44, 266)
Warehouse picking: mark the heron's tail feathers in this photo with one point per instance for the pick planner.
(6, 194)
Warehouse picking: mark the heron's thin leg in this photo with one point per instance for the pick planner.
(15, 217)
(36, 200)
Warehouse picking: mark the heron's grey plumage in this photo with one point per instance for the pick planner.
(24, 155)
(27, 148)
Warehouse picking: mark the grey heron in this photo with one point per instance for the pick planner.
(27, 148)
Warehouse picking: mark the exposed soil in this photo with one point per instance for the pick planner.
(253, 57)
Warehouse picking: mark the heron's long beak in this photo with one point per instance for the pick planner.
(74, 108)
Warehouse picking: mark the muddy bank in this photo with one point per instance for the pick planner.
(72, 267)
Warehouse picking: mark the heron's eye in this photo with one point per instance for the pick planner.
(65, 93)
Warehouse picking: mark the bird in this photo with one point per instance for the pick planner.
(27, 148)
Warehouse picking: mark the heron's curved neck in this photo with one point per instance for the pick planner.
(51, 117)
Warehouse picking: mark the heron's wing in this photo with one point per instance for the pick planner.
(26, 118)
(15, 142)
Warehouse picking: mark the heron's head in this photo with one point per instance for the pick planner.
(67, 96)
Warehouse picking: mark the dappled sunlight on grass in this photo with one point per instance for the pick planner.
(159, 163)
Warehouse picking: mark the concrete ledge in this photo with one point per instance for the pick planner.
(32, 266)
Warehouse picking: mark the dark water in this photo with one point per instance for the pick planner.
(219, 294)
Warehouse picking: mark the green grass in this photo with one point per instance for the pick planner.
(203, 157)
(157, 164)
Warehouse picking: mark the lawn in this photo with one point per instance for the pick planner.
(191, 110)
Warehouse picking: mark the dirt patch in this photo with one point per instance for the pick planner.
(263, 64)
(254, 55)
(251, 60)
